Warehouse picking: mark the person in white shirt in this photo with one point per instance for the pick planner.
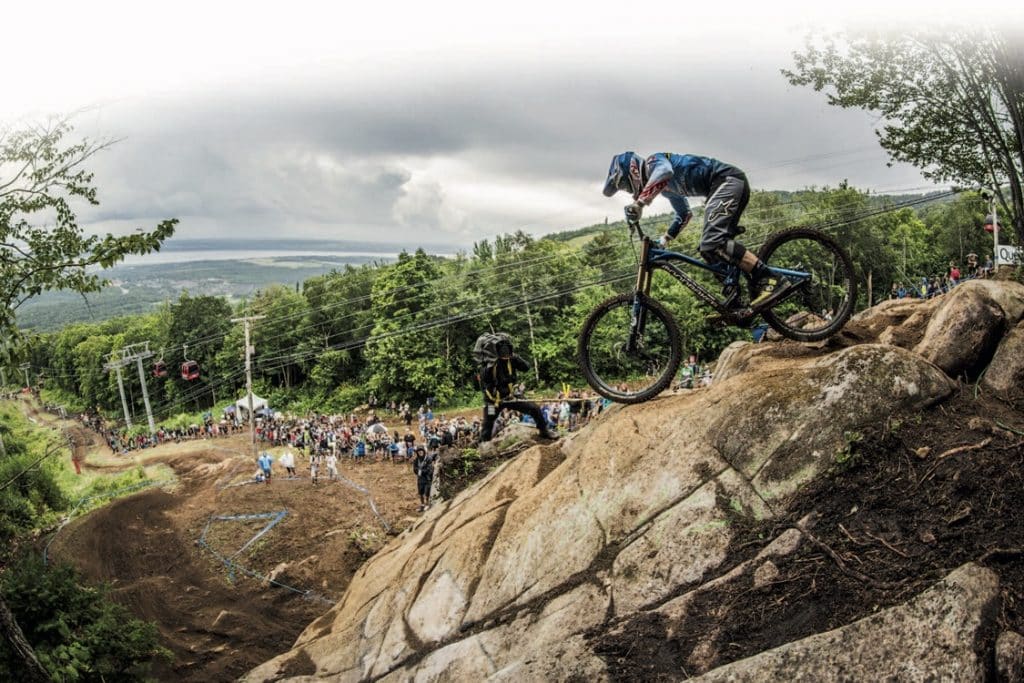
(332, 466)
(288, 462)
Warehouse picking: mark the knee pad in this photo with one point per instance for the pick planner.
(731, 252)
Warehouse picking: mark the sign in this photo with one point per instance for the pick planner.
(1007, 255)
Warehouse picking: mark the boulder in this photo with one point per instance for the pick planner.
(899, 322)
(965, 329)
(1005, 373)
(929, 638)
(1010, 657)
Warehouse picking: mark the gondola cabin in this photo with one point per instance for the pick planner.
(159, 369)
(190, 370)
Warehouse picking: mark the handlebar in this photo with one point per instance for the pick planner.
(635, 225)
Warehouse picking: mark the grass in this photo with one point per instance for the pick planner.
(92, 483)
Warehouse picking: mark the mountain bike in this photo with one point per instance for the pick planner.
(630, 347)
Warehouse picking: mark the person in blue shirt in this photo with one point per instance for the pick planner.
(264, 462)
(726, 193)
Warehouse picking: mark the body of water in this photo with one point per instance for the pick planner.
(185, 256)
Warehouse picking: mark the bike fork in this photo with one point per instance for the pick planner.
(637, 321)
(638, 315)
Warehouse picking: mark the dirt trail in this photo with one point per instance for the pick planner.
(146, 547)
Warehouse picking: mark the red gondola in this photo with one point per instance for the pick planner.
(159, 369)
(190, 370)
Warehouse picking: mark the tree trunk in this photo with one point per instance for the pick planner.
(33, 671)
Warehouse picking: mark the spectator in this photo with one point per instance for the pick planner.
(332, 466)
(314, 467)
(423, 466)
(497, 375)
(265, 462)
(954, 274)
(287, 461)
(972, 265)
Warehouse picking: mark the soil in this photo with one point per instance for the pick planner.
(898, 518)
(217, 623)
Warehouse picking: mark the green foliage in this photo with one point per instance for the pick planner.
(42, 246)
(417, 364)
(78, 633)
(470, 457)
(31, 494)
(952, 100)
(849, 453)
(421, 314)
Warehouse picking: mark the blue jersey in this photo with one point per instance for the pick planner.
(678, 176)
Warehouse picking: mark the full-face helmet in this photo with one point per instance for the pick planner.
(626, 173)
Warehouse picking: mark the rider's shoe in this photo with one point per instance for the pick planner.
(772, 289)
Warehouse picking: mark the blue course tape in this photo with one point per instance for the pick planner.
(229, 562)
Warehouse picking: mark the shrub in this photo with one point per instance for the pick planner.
(78, 633)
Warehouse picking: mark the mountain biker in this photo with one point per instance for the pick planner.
(726, 192)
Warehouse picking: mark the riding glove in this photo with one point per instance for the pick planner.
(634, 211)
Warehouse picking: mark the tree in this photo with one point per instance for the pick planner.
(41, 174)
(200, 323)
(953, 102)
(407, 353)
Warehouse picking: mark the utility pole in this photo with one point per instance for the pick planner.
(248, 376)
(3, 377)
(116, 366)
(24, 368)
(139, 354)
(119, 359)
(995, 234)
(529, 319)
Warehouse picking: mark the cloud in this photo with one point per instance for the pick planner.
(415, 150)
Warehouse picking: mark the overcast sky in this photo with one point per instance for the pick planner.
(439, 122)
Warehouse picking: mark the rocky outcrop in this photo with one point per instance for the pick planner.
(932, 637)
(506, 578)
(1005, 374)
(633, 517)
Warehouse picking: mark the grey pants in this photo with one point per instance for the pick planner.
(725, 205)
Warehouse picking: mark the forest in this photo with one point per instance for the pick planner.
(404, 330)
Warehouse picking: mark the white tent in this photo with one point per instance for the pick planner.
(242, 405)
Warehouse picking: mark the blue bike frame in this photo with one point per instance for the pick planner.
(655, 258)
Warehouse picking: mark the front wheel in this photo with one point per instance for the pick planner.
(825, 286)
(629, 348)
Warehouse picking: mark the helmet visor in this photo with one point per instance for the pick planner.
(618, 178)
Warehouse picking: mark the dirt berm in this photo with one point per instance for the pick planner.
(808, 489)
(217, 623)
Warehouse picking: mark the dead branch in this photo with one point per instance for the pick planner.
(864, 578)
(883, 542)
(964, 449)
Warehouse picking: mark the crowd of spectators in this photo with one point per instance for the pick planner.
(376, 433)
(929, 287)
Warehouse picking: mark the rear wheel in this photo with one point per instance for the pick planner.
(826, 287)
(629, 348)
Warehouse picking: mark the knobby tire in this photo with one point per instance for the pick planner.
(663, 379)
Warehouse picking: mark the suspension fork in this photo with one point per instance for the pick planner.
(638, 317)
